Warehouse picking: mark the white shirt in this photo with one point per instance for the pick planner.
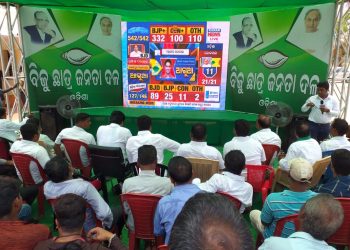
(232, 184)
(296, 241)
(34, 150)
(147, 182)
(113, 135)
(85, 190)
(10, 130)
(135, 54)
(336, 142)
(49, 144)
(252, 149)
(200, 150)
(77, 133)
(308, 149)
(316, 115)
(266, 136)
(145, 137)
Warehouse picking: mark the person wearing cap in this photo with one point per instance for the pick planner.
(288, 202)
(315, 226)
(324, 108)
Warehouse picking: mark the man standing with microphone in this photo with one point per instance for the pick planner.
(324, 108)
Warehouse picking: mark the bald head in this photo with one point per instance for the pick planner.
(263, 121)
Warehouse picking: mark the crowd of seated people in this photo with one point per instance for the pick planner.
(186, 206)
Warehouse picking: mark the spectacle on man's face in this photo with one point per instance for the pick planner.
(41, 21)
(247, 26)
(106, 26)
(311, 21)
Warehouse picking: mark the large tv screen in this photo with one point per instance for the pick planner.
(175, 65)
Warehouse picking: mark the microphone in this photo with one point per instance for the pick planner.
(321, 102)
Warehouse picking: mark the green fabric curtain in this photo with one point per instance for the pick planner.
(173, 10)
(141, 5)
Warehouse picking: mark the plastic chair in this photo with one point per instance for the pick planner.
(22, 163)
(342, 236)
(261, 178)
(163, 247)
(73, 153)
(319, 167)
(328, 174)
(160, 169)
(279, 227)
(204, 168)
(107, 162)
(270, 152)
(143, 207)
(233, 199)
(4, 149)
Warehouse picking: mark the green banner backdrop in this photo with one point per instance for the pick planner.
(72, 53)
(82, 62)
(284, 55)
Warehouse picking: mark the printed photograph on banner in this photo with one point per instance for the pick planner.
(169, 65)
(39, 29)
(105, 33)
(244, 33)
(312, 30)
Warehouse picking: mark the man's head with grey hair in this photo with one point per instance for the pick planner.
(321, 216)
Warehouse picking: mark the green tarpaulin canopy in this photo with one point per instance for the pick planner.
(173, 9)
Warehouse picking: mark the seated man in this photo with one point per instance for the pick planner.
(9, 129)
(230, 180)
(44, 140)
(209, 221)
(198, 147)
(288, 202)
(251, 148)
(147, 182)
(180, 171)
(145, 137)
(16, 234)
(319, 218)
(305, 147)
(29, 146)
(339, 127)
(77, 132)
(265, 135)
(61, 182)
(114, 134)
(70, 215)
(339, 185)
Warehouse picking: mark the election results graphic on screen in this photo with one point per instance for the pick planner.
(175, 65)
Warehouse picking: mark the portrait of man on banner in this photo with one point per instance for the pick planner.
(40, 32)
(39, 29)
(105, 33)
(312, 30)
(244, 34)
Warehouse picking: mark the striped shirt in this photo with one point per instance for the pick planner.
(338, 187)
(279, 205)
